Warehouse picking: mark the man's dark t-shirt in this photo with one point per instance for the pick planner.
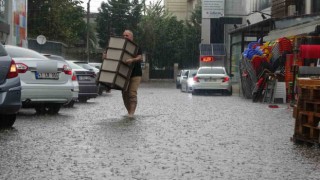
(137, 71)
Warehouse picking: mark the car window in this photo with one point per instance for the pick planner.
(185, 73)
(192, 73)
(23, 52)
(87, 66)
(74, 66)
(3, 52)
(211, 71)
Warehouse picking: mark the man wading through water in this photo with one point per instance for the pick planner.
(130, 95)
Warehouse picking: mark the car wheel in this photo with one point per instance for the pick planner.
(7, 120)
(53, 109)
(100, 90)
(48, 109)
(194, 92)
(70, 104)
(41, 110)
(83, 100)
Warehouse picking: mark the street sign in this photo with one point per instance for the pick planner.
(212, 8)
(41, 39)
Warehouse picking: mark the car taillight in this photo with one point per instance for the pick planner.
(195, 79)
(22, 68)
(13, 72)
(225, 79)
(67, 69)
(74, 77)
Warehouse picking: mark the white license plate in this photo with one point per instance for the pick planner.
(210, 80)
(47, 75)
(84, 78)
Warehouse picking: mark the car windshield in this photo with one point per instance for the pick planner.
(74, 66)
(192, 73)
(211, 71)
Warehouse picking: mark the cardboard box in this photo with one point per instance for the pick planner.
(114, 73)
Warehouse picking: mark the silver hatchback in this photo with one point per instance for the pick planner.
(212, 79)
(10, 89)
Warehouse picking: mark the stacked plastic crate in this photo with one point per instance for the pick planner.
(114, 72)
(307, 111)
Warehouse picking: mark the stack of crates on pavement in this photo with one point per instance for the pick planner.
(114, 72)
(307, 111)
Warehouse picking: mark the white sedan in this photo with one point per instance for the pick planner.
(46, 84)
(187, 80)
(212, 79)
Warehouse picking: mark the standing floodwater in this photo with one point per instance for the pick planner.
(174, 136)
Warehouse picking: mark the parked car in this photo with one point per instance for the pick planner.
(87, 82)
(96, 65)
(187, 80)
(89, 67)
(85, 65)
(46, 84)
(75, 83)
(212, 79)
(10, 89)
(178, 78)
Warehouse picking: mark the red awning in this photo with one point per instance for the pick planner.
(309, 51)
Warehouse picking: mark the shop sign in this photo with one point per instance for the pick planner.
(212, 8)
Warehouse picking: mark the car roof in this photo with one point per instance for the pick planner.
(212, 67)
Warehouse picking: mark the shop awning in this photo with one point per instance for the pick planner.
(259, 29)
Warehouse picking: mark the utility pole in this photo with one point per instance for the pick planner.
(88, 26)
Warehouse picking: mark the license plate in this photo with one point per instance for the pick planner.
(84, 78)
(47, 75)
(210, 80)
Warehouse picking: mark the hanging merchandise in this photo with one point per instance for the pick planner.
(285, 45)
(309, 51)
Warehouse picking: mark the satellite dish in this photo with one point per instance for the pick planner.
(41, 39)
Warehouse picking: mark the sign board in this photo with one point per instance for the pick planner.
(41, 39)
(212, 8)
(207, 59)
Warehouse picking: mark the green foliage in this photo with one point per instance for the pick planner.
(58, 20)
(167, 40)
(115, 16)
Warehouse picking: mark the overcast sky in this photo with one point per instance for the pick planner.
(95, 4)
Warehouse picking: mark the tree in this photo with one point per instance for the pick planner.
(58, 20)
(192, 38)
(115, 16)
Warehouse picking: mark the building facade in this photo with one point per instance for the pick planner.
(180, 8)
(236, 23)
(13, 22)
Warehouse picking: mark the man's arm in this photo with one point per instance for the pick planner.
(136, 59)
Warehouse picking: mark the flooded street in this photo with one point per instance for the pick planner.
(174, 136)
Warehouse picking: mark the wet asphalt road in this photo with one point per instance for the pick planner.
(173, 136)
